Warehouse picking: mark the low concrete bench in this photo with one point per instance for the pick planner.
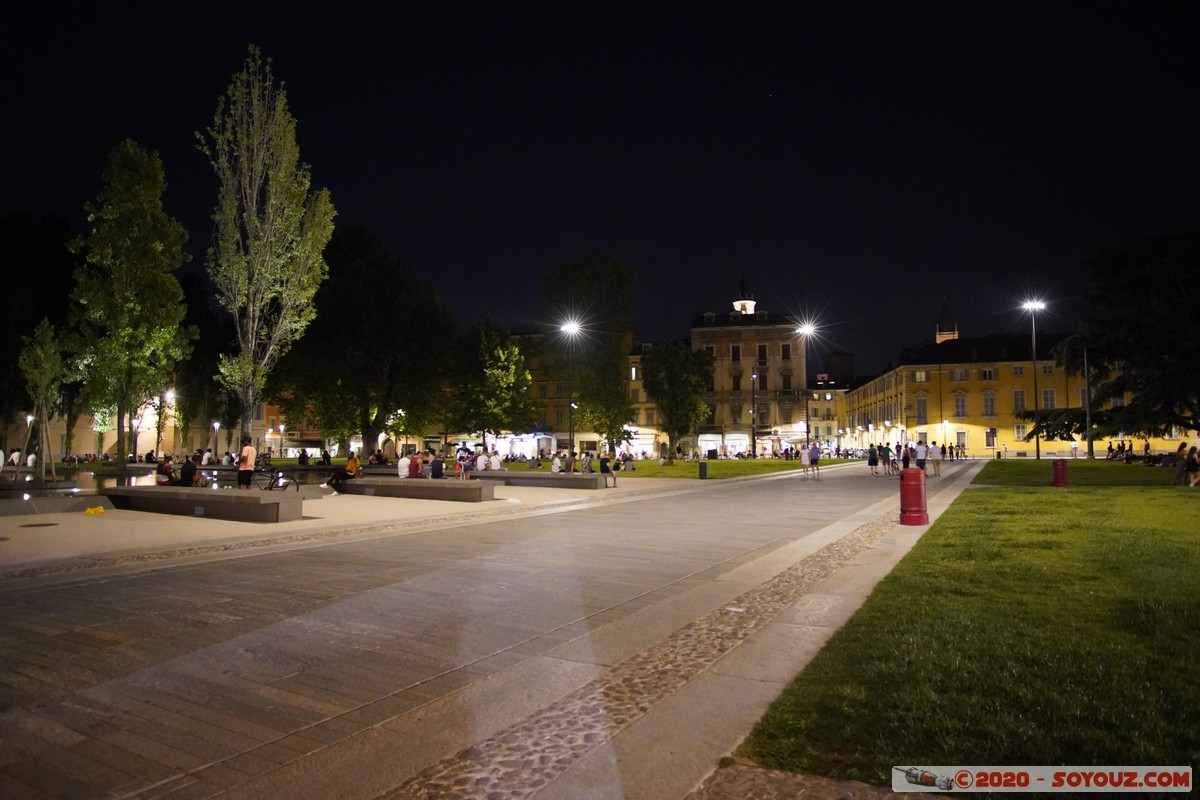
(240, 505)
(554, 480)
(422, 489)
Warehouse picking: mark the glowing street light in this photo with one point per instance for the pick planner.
(1034, 306)
(571, 329)
(807, 330)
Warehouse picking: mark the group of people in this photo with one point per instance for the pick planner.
(1187, 465)
(918, 454)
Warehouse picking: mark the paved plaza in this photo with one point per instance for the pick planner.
(550, 644)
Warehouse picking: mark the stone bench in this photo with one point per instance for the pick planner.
(239, 505)
(422, 489)
(554, 480)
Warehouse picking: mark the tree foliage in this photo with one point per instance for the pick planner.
(1146, 350)
(271, 230)
(596, 291)
(128, 305)
(36, 250)
(489, 384)
(364, 373)
(42, 364)
(675, 378)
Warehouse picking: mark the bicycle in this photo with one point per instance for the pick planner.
(894, 466)
(269, 480)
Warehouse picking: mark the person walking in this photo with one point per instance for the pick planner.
(606, 470)
(935, 456)
(1181, 457)
(814, 460)
(873, 460)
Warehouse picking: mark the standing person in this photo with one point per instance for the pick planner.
(922, 454)
(1180, 464)
(805, 461)
(1193, 467)
(885, 458)
(814, 460)
(907, 457)
(246, 463)
(606, 470)
(873, 460)
(935, 455)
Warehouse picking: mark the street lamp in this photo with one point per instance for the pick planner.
(806, 330)
(571, 329)
(753, 415)
(1034, 306)
(216, 439)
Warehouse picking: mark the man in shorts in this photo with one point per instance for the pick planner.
(246, 463)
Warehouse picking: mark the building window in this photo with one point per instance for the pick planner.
(1018, 400)
(633, 373)
(762, 383)
(559, 416)
(1118, 401)
(635, 396)
(735, 352)
(762, 354)
(735, 382)
(1018, 371)
(1083, 397)
(785, 352)
(1020, 432)
(560, 389)
(920, 376)
(959, 374)
(989, 404)
(922, 411)
(987, 373)
(649, 416)
(960, 404)
(712, 351)
(1047, 369)
(542, 389)
(1048, 398)
(787, 382)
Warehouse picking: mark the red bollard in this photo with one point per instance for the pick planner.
(912, 497)
(1059, 474)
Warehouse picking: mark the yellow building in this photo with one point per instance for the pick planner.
(968, 393)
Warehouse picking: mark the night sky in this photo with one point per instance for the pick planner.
(855, 163)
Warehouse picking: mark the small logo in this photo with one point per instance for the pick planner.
(923, 777)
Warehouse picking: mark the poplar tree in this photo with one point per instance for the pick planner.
(267, 259)
(128, 306)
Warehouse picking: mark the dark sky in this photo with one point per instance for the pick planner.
(854, 162)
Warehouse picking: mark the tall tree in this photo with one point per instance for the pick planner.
(43, 366)
(596, 292)
(489, 384)
(675, 378)
(1146, 353)
(363, 373)
(271, 229)
(38, 245)
(127, 301)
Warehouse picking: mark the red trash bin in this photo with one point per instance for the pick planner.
(912, 497)
(1059, 474)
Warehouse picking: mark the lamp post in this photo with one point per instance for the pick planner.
(216, 438)
(1034, 306)
(282, 428)
(571, 329)
(807, 330)
(754, 414)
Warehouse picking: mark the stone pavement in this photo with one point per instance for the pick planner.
(553, 645)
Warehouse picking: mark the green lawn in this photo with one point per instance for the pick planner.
(717, 469)
(1028, 626)
(1080, 472)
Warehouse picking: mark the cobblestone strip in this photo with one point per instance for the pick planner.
(518, 761)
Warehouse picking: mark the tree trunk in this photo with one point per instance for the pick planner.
(121, 450)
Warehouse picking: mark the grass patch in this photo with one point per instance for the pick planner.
(1028, 626)
(1080, 472)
